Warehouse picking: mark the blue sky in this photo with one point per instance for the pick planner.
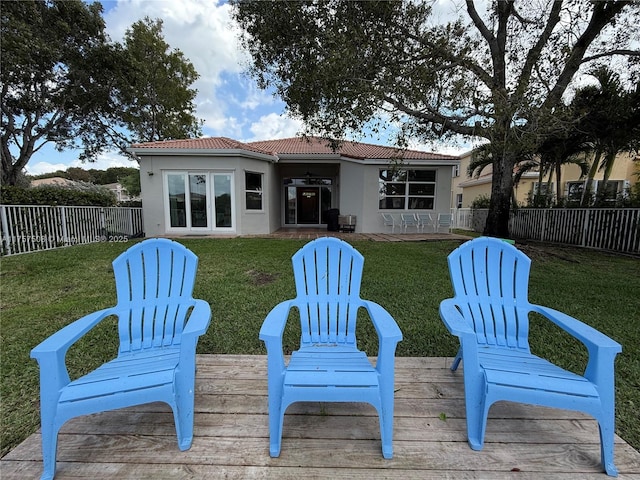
(228, 101)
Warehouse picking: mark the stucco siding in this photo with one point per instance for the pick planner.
(360, 194)
(352, 188)
(153, 170)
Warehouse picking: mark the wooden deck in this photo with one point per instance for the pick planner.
(325, 440)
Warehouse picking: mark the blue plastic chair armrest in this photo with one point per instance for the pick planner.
(453, 319)
(389, 334)
(68, 335)
(199, 319)
(51, 352)
(271, 334)
(385, 325)
(602, 349)
(274, 323)
(458, 326)
(588, 335)
(196, 325)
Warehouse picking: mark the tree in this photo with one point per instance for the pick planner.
(131, 184)
(566, 145)
(64, 82)
(497, 75)
(610, 126)
(53, 54)
(153, 99)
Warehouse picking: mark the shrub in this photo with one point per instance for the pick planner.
(480, 202)
(50, 195)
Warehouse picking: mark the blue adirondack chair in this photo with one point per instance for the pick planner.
(158, 324)
(328, 367)
(489, 313)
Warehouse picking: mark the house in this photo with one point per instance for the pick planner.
(54, 182)
(120, 192)
(466, 189)
(117, 189)
(220, 186)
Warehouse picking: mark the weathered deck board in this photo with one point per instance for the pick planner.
(325, 440)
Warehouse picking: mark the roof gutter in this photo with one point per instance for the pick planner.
(166, 152)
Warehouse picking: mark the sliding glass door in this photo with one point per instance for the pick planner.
(199, 201)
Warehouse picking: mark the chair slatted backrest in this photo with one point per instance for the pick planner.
(327, 274)
(445, 219)
(154, 284)
(424, 218)
(490, 279)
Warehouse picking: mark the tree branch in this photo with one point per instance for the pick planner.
(477, 21)
(603, 13)
(629, 53)
(453, 60)
(448, 122)
(534, 54)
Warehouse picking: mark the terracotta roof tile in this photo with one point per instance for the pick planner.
(207, 143)
(296, 145)
(315, 145)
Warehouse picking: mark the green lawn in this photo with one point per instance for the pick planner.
(244, 278)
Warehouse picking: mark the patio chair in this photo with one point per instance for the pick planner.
(444, 220)
(158, 325)
(328, 367)
(390, 220)
(425, 219)
(490, 315)
(408, 220)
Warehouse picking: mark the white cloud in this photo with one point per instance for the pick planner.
(104, 161)
(204, 32)
(274, 126)
(44, 167)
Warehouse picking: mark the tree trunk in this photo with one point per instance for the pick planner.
(501, 187)
(588, 183)
(559, 196)
(9, 170)
(609, 160)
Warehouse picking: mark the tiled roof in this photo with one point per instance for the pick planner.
(320, 146)
(207, 143)
(296, 146)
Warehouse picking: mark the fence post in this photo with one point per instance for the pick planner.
(103, 221)
(585, 227)
(5, 229)
(63, 219)
(544, 224)
(131, 222)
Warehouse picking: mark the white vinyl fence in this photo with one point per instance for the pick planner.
(616, 229)
(461, 218)
(30, 228)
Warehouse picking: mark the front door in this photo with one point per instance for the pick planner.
(308, 199)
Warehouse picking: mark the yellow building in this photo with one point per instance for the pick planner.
(466, 189)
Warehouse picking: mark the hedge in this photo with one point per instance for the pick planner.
(48, 195)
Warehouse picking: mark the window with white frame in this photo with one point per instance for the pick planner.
(574, 190)
(407, 189)
(198, 200)
(253, 190)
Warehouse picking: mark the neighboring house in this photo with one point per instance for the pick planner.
(120, 192)
(213, 186)
(466, 189)
(54, 182)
